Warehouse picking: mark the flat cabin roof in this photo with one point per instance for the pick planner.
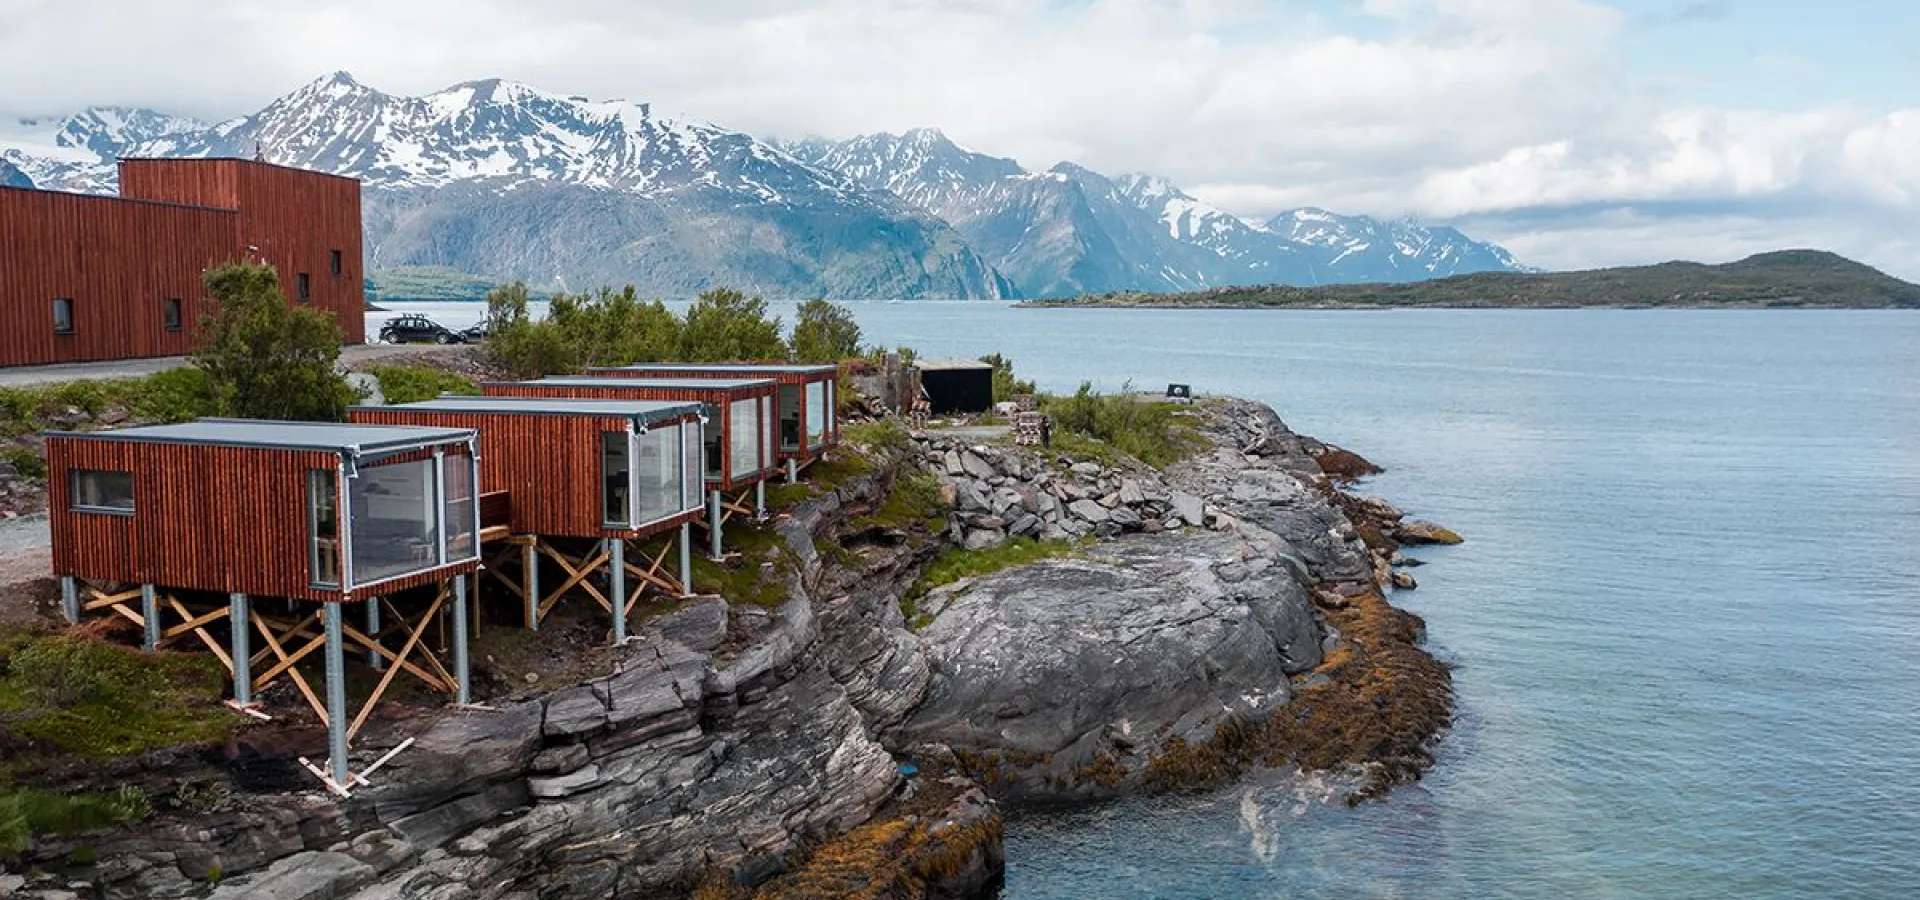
(328, 436)
(691, 384)
(644, 411)
(745, 368)
(940, 365)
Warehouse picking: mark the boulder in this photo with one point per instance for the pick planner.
(975, 466)
(1424, 532)
(1125, 517)
(1089, 511)
(1131, 494)
(981, 539)
(1112, 654)
(1190, 509)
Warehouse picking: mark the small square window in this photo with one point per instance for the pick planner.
(171, 313)
(63, 315)
(98, 490)
(305, 286)
(339, 264)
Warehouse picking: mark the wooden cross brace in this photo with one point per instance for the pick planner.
(655, 574)
(578, 571)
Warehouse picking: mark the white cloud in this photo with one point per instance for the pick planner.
(1516, 115)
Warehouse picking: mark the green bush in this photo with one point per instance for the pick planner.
(1145, 429)
(824, 332)
(725, 325)
(265, 359)
(412, 384)
(27, 813)
(1005, 386)
(614, 328)
(519, 344)
(175, 395)
(30, 464)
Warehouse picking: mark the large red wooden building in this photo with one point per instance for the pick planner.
(85, 277)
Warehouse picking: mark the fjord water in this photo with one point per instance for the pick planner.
(1685, 626)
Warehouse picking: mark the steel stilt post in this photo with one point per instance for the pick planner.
(617, 558)
(374, 659)
(465, 695)
(530, 558)
(149, 619)
(70, 600)
(713, 527)
(241, 627)
(336, 697)
(686, 559)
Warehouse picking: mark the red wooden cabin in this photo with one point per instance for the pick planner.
(805, 406)
(739, 451)
(612, 471)
(306, 511)
(95, 278)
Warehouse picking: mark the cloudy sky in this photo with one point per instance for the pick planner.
(1576, 132)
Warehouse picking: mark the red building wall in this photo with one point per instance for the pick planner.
(120, 259)
(721, 399)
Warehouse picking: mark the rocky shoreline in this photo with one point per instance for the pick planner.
(1225, 613)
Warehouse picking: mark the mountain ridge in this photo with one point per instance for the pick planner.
(1794, 278)
(496, 176)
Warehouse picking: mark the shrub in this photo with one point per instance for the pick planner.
(93, 699)
(1146, 430)
(265, 359)
(27, 813)
(411, 384)
(30, 464)
(175, 395)
(824, 332)
(525, 348)
(614, 328)
(1005, 386)
(726, 325)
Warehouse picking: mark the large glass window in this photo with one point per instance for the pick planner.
(460, 508)
(714, 449)
(694, 487)
(833, 406)
(323, 526)
(816, 413)
(789, 417)
(743, 423)
(614, 478)
(656, 466)
(395, 520)
(98, 490)
(766, 416)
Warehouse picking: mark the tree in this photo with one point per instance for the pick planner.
(614, 328)
(264, 359)
(726, 326)
(1005, 386)
(824, 332)
(524, 347)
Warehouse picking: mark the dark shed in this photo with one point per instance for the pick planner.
(956, 385)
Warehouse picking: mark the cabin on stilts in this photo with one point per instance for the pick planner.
(739, 450)
(266, 530)
(805, 408)
(587, 480)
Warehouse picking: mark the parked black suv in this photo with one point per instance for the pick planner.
(419, 330)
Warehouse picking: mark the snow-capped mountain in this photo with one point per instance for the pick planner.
(499, 178)
(1392, 251)
(1071, 230)
(11, 176)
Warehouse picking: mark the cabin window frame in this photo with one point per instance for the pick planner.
(75, 477)
(432, 502)
(815, 394)
(336, 263)
(303, 287)
(623, 487)
(64, 322)
(324, 484)
(173, 314)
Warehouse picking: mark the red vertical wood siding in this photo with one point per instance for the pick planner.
(288, 218)
(120, 259)
(205, 517)
(802, 379)
(720, 398)
(549, 465)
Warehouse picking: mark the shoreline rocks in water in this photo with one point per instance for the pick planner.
(1225, 613)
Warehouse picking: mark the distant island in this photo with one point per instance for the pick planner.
(1802, 279)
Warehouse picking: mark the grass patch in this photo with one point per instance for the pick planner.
(959, 563)
(86, 697)
(412, 384)
(27, 813)
(914, 500)
(746, 579)
(1146, 430)
(175, 395)
(29, 463)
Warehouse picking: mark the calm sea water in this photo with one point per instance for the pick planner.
(1685, 628)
